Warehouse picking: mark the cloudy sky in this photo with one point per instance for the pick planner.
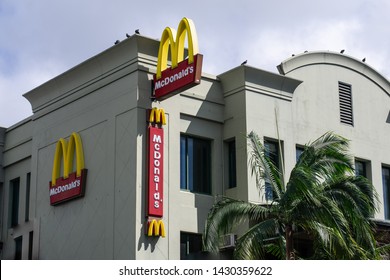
(40, 39)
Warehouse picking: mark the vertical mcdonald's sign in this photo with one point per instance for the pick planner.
(71, 184)
(156, 162)
(155, 190)
(183, 73)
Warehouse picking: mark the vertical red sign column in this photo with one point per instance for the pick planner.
(156, 171)
(155, 188)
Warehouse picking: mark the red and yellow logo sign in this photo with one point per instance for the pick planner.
(156, 162)
(155, 196)
(156, 228)
(157, 116)
(71, 184)
(182, 74)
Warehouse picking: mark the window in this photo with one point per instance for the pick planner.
(18, 248)
(14, 202)
(345, 101)
(231, 162)
(360, 168)
(298, 152)
(30, 245)
(190, 246)
(386, 190)
(27, 210)
(195, 164)
(273, 153)
(363, 168)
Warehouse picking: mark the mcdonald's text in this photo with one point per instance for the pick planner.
(165, 82)
(68, 188)
(156, 171)
(174, 80)
(64, 188)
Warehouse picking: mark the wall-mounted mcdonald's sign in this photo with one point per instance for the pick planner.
(157, 116)
(71, 184)
(155, 188)
(183, 73)
(156, 163)
(156, 228)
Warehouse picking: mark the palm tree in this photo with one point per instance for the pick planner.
(322, 198)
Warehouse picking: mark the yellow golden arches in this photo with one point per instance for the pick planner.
(167, 42)
(156, 228)
(186, 27)
(66, 150)
(157, 115)
(170, 39)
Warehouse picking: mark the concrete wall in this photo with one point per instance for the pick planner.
(105, 100)
(17, 164)
(199, 112)
(302, 104)
(316, 107)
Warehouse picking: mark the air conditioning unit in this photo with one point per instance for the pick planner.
(227, 241)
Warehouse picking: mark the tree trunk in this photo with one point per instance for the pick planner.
(289, 243)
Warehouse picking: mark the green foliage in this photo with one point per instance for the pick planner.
(322, 198)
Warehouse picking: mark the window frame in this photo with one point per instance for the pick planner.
(190, 245)
(299, 149)
(269, 196)
(231, 163)
(188, 168)
(14, 201)
(386, 191)
(18, 254)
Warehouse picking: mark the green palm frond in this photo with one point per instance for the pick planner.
(263, 168)
(356, 199)
(251, 245)
(277, 248)
(327, 155)
(322, 197)
(228, 213)
(383, 251)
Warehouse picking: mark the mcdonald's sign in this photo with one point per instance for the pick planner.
(72, 184)
(183, 73)
(156, 228)
(157, 116)
(155, 203)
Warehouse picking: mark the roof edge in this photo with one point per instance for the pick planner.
(334, 58)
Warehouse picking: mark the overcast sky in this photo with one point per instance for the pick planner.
(40, 39)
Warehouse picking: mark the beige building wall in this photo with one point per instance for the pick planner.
(16, 162)
(316, 107)
(105, 99)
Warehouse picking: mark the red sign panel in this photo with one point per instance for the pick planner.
(68, 188)
(156, 171)
(178, 79)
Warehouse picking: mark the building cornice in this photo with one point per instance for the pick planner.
(248, 78)
(295, 62)
(132, 54)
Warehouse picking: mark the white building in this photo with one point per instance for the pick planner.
(106, 99)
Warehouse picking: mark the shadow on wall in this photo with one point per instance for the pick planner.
(146, 241)
(203, 115)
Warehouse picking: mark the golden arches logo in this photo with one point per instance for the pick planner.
(156, 228)
(72, 184)
(157, 115)
(174, 41)
(65, 150)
